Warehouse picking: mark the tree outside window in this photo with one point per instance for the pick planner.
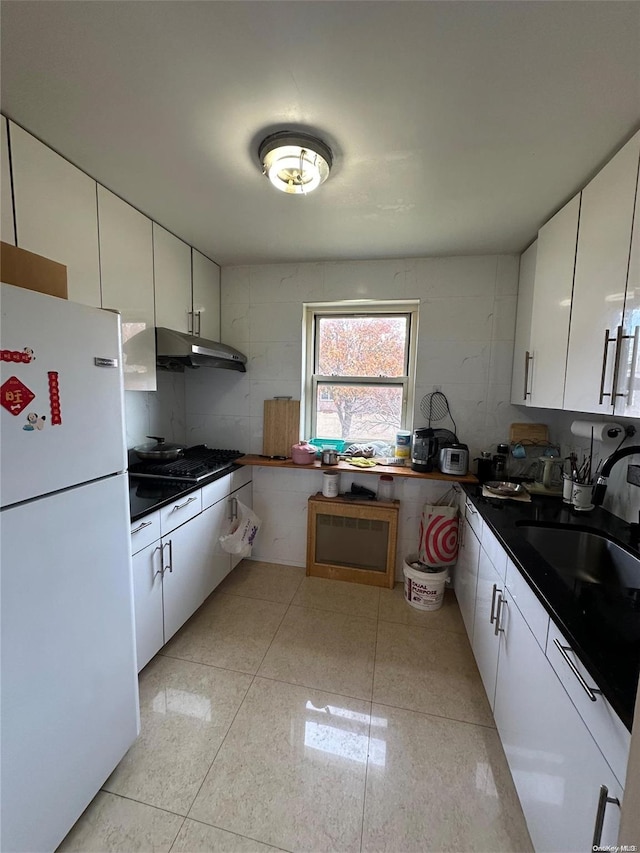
(360, 375)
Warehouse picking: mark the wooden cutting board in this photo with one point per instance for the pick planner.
(528, 432)
(281, 427)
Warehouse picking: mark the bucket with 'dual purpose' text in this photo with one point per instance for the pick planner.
(423, 590)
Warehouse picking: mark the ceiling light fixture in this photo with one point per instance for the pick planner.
(295, 163)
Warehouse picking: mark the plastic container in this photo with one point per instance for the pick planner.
(403, 444)
(423, 590)
(385, 487)
(331, 484)
(328, 443)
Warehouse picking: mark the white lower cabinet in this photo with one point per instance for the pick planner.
(466, 573)
(147, 599)
(197, 565)
(556, 766)
(174, 574)
(486, 623)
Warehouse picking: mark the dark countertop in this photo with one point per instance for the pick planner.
(601, 623)
(146, 494)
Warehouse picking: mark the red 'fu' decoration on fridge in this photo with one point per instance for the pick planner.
(54, 398)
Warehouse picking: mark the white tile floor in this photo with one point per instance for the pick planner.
(301, 714)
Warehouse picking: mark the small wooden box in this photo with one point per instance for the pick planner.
(352, 540)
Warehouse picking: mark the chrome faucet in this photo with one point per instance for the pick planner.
(601, 483)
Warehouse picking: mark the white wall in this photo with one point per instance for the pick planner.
(467, 319)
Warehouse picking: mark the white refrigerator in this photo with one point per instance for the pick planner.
(69, 690)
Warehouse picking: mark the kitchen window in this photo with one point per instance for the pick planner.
(360, 369)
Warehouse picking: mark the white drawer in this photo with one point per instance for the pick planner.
(145, 531)
(180, 510)
(473, 517)
(214, 492)
(527, 603)
(494, 550)
(607, 729)
(241, 477)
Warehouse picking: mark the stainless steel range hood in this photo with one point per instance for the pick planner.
(177, 350)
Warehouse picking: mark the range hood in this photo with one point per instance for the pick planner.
(177, 350)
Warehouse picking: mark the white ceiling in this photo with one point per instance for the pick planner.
(456, 127)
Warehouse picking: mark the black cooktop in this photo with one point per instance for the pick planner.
(197, 463)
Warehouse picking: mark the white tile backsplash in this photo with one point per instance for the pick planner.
(277, 321)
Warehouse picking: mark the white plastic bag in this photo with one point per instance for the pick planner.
(242, 531)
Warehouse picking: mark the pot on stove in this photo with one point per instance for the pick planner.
(159, 450)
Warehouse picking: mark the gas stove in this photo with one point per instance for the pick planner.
(197, 463)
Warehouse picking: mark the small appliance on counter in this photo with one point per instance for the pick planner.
(454, 459)
(424, 450)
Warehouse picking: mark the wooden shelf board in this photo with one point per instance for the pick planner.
(394, 470)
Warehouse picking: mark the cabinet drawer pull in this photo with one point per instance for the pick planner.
(469, 508)
(186, 503)
(498, 630)
(590, 691)
(603, 800)
(141, 527)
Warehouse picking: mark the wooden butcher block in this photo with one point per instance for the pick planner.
(281, 427)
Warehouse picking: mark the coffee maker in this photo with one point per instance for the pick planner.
(424, 450)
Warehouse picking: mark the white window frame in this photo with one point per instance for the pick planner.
(358, 308)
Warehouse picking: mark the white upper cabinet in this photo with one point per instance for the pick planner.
(7, 229)
(602, 262)
(520, 383)
(551, 311)
(172, 273)
(126, 267)
(56, 213)
(206, 297)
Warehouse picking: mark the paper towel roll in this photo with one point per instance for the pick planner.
(601, 431)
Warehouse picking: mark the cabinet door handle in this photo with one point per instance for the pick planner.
(492, 617)
(603, 800)
(590, 691)
(190, 322)
(168, 545)
(469, 508)
(186, 503)
(159, 571)
(632, 369)
(620, 336)
(233, 509)
(607, 341)
(498, 630)
(198, 314)
(141, 527)
(528, 358)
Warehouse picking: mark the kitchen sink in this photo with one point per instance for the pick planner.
(583, 556)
